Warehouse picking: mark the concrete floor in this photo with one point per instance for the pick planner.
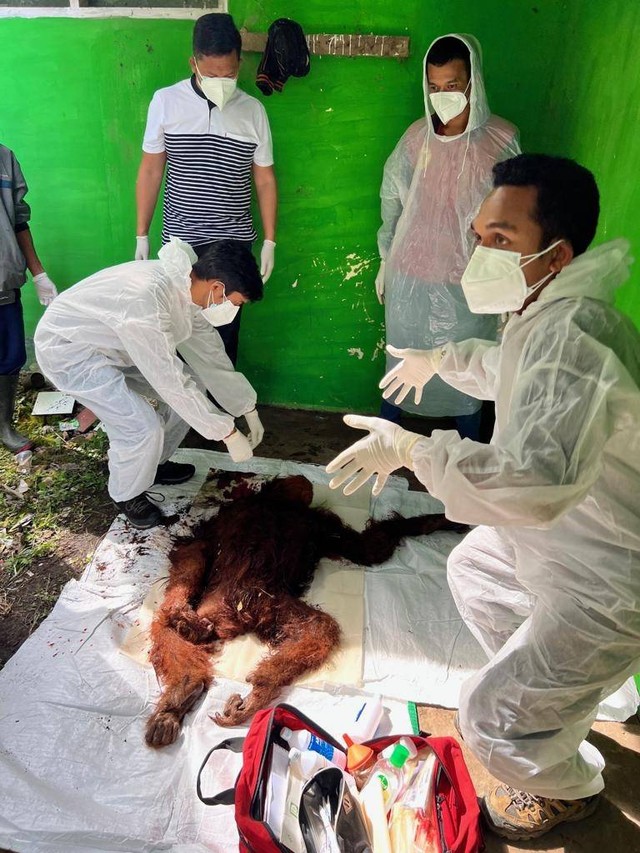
(615, 827)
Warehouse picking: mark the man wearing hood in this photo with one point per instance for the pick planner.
(433, 184)
(549, 580)
(147, 329)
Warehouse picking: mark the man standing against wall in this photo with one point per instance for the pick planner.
(212, 138)
(433, 184)
(17, 254)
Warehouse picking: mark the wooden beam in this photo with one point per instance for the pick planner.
(80, 11)
(337, 44)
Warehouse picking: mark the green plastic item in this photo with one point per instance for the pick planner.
(398, 756)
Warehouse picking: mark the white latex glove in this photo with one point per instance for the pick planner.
(142, 249)
(238, 446)
(415, 369)
(386, 448)
(256, 430)
(380, 283)
(45, 288)
(267, 259)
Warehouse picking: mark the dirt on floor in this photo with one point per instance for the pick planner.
(28, 598)
(615, 825)
(52, 514)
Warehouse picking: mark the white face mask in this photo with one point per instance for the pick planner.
(493, 282)
(448, 105)
(221, 314)
(219, 90)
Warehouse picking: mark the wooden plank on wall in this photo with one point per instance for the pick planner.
(337, 44)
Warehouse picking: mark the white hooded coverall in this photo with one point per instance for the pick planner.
(549, 582)
(431, 190)
(112, 340)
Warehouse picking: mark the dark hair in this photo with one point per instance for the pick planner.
(568, 201)
(232, 263)
(216, 35)
(446, 49)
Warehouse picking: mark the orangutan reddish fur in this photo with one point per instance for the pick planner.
(245, 572)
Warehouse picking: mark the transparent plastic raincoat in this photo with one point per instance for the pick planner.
(432, 188)
(549, 582)
(112, 340)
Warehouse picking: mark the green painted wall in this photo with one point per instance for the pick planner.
(595, 115)
(75, 107)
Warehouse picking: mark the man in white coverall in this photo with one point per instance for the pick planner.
(549, 580)
(433, 183)
(145, 329)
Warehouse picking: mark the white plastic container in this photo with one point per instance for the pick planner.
(372, 801)
(307, 763)
(303, 739)
(367, 720)
(291, 834)
(387, 773)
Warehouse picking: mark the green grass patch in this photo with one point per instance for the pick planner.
(67, 478)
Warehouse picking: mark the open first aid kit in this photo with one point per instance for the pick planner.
(301, 791)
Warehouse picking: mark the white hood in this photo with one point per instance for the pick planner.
(477, 95)
(177, 257)
(597, 274)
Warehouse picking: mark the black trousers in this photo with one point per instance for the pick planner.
(13, 354)
(231, 332)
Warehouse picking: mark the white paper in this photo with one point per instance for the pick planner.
(291, 833)
(53, 403)
(277, 789)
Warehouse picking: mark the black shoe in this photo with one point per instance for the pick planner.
(172, 473)
(140, 512)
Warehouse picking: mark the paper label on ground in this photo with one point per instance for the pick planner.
(53, 403)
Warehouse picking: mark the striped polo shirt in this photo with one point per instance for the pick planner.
(209, 158)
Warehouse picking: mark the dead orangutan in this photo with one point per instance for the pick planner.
(245, 571)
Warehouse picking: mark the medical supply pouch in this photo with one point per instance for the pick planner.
(249, 796)
(454, 807)
(454, 804)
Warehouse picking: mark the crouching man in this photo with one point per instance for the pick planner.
(146, 329)
(548, 581)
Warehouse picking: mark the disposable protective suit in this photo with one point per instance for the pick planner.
(113, 339)
(431, 190)
(549, 582)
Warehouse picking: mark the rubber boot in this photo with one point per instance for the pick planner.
(11, 439)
